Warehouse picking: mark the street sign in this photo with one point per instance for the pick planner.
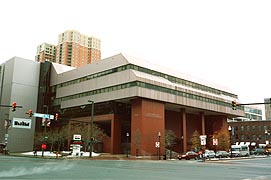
(157, 144)
(77, 137)
(215, 142)
(203, 140)
(46, 116)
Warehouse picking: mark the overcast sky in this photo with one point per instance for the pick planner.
(227, 42)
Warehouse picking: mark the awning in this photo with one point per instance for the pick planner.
(262, 145)
(247, 143)
(253, 144)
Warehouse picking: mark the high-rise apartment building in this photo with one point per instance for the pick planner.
(46, 52)
(75, 49)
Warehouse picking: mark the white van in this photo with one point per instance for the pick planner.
(239, 150)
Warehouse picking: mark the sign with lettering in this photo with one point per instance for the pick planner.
(215, 142)
(77, 137)
(21, 123)
(46, 116)
(203, 140)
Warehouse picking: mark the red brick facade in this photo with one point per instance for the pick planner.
(148, 117)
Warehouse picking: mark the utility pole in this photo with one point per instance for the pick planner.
(91, 128)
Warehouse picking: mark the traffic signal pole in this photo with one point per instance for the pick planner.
(2, 105)
(235, 104)
(252, 104)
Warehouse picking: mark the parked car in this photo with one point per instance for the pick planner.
(188, 155)
(221, 154)
(267, 149)
(209, 154)
(258, 151)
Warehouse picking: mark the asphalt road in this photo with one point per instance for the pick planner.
(37, 168)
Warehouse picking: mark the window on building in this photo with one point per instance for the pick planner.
(259, 128)
(254, 137)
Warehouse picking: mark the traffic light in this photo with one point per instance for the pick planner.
(30, 113)
(234, 105)
(56, 116)
(14, 105)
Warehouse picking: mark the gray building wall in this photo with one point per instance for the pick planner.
(130, 75)
(19, 83)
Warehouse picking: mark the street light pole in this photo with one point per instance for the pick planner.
(267, 134)
(91, 127)
(159, 135)
(230, 130)
(127, 147)
(44, 132)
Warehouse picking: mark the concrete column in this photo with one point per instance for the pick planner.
(184, 130)
(202, 123)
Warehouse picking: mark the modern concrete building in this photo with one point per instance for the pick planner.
(131, 96)
(135, 97)
(46, 52)
(19, 80)
(251, 114)
(75, 49)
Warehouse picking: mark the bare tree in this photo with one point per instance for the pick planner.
(58, 136)
(38, 139)
(82, 129)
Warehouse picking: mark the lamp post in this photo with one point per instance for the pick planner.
(127, 147)
(159, 135)
(7, 125)
(230, 131)
(91, 128)
(267, 134)
(44, 132)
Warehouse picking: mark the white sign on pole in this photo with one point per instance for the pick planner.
(215, 142)
(77, 137)
(203, 140)
(157, 144)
